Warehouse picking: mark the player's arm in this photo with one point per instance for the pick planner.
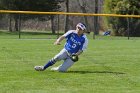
(66, 35)
(79, 52)
(57, 42)
(83, 47)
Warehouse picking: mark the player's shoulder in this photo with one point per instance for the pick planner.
(72, 31)
(69, 33)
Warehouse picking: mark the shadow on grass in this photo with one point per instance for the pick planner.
(100, 72)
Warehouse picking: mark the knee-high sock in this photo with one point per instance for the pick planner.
(50, 63)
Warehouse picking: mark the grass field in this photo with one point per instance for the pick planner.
(108, 66)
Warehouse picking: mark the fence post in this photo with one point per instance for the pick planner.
(19, 25)
(57, 26)
(128, 28)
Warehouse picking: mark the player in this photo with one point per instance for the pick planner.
(76, 43)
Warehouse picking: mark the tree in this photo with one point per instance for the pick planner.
(131, 7)
(96, 25)
(83, 6)
(31, 5)
(67, 16)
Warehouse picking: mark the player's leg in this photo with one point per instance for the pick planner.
(64, 67)
(60, 56)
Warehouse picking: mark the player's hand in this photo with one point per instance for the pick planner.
(74, 57)
(57, 43)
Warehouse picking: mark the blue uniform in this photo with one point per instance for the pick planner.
(74, 42)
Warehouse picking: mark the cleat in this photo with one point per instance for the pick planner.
(39, 68)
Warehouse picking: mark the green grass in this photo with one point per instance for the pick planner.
(108, 66)
(29, 35)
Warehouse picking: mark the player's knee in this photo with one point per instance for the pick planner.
(57, 58)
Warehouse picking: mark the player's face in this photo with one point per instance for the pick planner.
(79, 31)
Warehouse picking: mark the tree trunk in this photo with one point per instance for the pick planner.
(67, 17)
(96, 23)
(83, 8)
(16, 23)
(10, 23)
(52, 24)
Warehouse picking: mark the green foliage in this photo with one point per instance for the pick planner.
(120, 25)
(31, 5)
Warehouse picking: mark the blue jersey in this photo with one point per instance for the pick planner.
(74, 42)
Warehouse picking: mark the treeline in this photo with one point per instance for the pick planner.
(117, 25)
(65, 22)
(29, 5)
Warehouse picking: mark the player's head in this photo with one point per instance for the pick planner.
(81, 26)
